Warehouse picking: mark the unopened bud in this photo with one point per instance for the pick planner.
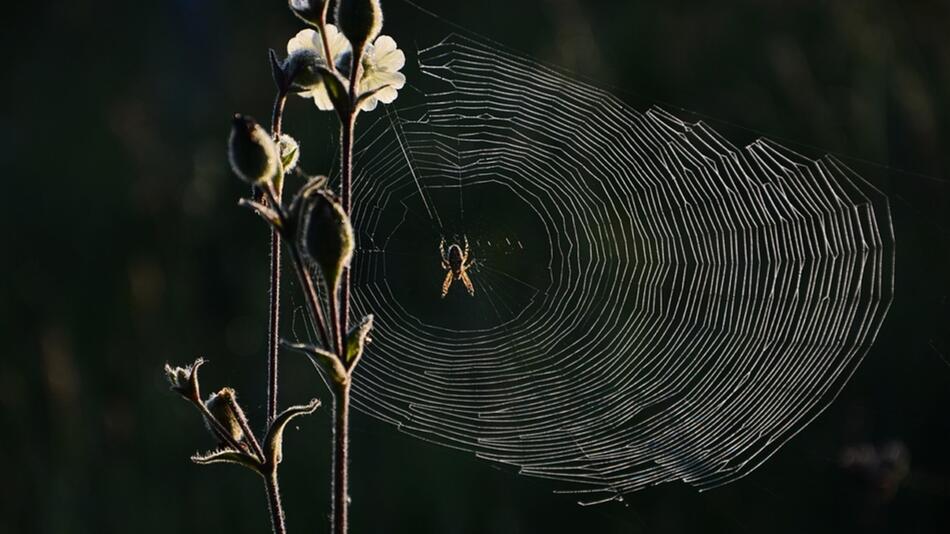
(289, 152)
(326, 235)
(251, 151)
(360, 21)
(302, 70)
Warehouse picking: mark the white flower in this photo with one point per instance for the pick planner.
(309, 41)
(381, 63)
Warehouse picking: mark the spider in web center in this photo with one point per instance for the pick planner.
(456, 263)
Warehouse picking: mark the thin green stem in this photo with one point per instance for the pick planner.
(322, 27)
(341, 404)
(346, 171)
(273, 320)
(341, 499)
(337, 326)
(273, 502)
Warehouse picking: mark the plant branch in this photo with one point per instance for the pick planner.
(322, 27)
(335, 320)
(346, 171)
(341, 404)
(341, 499)
(273, 322)
(273, 502)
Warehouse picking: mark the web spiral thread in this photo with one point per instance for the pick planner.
(652, 303)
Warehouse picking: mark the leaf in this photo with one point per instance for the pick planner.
(229, 456)
(356, 340)
(336, 88)
(276, 69)
(323, 360)
(273, 442)
(270, 216)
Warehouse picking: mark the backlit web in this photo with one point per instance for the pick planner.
(652, 303)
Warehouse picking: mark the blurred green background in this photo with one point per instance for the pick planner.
(123, 248)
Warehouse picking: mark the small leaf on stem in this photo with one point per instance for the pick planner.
(323, 360)
(229, 456)
(356, 339)
(265, 212)
(273, 442)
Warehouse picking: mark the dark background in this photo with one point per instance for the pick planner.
(123, 249)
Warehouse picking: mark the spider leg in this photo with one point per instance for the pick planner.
(446, 284)
(468, 283)
(442, 251)
(465, 254)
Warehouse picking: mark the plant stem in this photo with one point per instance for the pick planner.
(322, 26)
(346, 159)
(337, 327)
(341, 499)
(273, 501)
(273, 322)
(310, 293)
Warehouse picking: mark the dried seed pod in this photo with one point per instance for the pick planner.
(225, 409)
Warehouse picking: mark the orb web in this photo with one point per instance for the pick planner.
(652, 304)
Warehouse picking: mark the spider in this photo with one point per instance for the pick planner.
(456, 265)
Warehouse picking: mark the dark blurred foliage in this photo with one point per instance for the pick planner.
(123, 248)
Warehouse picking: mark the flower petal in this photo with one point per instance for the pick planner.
(369, 104)
(375, 80)
(386, 95)
(303, 40)
(322, 99)
(384, 44)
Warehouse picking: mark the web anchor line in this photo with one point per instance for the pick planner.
(394, 123)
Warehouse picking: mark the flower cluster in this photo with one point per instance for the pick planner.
(378, 80)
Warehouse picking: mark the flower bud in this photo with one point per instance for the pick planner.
(312, 12)
(302, 70)
(224, 407)
(360, 21)
(251, 151)
(289, 152)
(326, 235)
(357, 339)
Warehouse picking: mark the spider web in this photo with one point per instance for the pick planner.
(652, 303)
